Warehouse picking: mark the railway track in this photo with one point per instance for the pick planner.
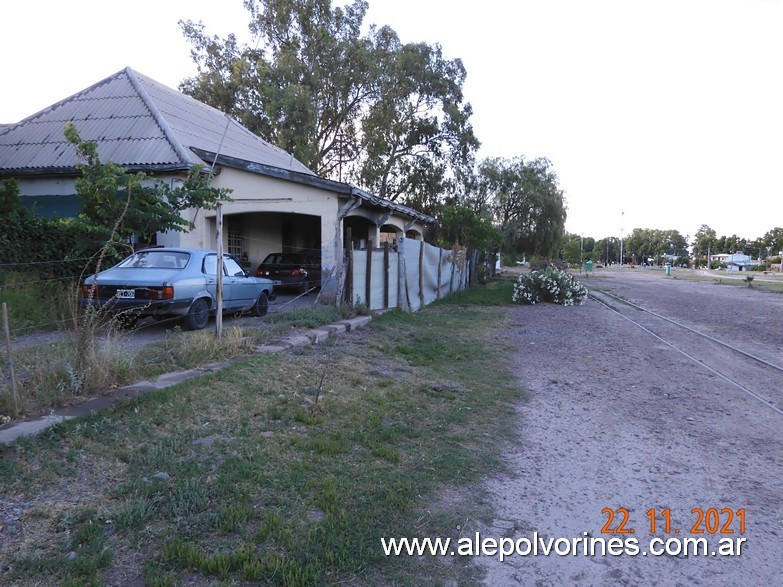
(755, 376)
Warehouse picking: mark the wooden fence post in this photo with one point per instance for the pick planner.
(386, 275)
(403, 295)
(349, 267)
(14, 397)
(368, 275)
(421, 273)
(440, 262)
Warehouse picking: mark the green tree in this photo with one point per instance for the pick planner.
(365, 107)
(461, 225)
(607, 250)
(577, 248)
(704, 243)
(9, 196)
(659, 245)
(526, 202)
(774, 240)
(117, 204)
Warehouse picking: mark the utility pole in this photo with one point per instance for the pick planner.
(622, 214)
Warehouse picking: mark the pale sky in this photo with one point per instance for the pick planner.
(662, 114)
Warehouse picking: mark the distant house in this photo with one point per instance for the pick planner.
(277, 204)
(735, 261)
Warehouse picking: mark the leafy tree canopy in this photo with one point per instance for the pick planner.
(117, 204)
(646, 243)
(9, 196)
(577, 248)
(365, 108)
(461, 225)
(525, 202)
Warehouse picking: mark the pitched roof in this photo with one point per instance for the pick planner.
(137, 123)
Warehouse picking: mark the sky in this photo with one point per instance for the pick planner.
(664, 114)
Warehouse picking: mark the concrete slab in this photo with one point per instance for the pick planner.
(296, 340)
(356, 322)
(317, 336)
(335, 328)
(30, 427)
(271, 348)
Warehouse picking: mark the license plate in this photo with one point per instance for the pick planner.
(277, 282)
(126, 293)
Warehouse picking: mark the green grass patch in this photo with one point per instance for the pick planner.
(36, 302)
(247, 476)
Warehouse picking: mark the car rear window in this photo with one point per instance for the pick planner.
(156, 260)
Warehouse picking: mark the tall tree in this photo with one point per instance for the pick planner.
(461, 225)
(649, 243)
(704, 243)
(774, 240)
(367, 108)
(416, 139)
(526, 202)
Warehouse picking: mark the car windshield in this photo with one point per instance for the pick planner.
(156, 260)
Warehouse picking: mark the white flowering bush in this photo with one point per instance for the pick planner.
(549, 285)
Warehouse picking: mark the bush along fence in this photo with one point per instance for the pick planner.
(409, 276)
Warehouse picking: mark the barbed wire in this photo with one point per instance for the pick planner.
(54, 261)
(39, 281)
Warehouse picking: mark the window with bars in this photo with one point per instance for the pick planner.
(236, 240)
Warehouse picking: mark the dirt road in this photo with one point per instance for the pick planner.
(618, 420)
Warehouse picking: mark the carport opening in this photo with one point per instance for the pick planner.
(252, 236)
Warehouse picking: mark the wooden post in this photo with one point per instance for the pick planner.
(349, 267)
(440, 263)
(386, 275)
(453, 266)
(219, 286)
(421, 274)
(403, 295)
(368, 275)
(10, 362)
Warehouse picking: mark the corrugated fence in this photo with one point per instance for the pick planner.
(412, 276)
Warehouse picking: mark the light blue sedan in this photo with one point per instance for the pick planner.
(175, 283)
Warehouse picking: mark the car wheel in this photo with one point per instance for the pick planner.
(198, 315)
(303, 289)
(261, 306)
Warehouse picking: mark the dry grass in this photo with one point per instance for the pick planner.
(279, 470)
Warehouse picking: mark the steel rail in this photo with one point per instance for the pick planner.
(707, 336)
(739, 386)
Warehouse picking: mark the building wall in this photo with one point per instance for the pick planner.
(263, 201)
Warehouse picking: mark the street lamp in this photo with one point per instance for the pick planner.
(622, 213)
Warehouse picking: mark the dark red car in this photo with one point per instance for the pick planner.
(298, 271)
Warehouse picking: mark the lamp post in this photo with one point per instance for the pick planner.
(622, 214)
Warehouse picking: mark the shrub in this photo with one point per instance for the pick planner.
(549, 285)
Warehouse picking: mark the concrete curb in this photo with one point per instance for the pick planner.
(35, 425)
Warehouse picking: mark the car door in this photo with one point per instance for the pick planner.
(209, 269)
(239, 291)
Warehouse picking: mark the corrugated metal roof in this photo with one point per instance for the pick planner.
(135, 121)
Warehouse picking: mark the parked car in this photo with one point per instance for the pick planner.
(172, 282)
(292, 270)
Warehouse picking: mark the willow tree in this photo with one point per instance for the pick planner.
(526, 202)
(361, 107)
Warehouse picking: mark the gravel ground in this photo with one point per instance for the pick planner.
(617, 419)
